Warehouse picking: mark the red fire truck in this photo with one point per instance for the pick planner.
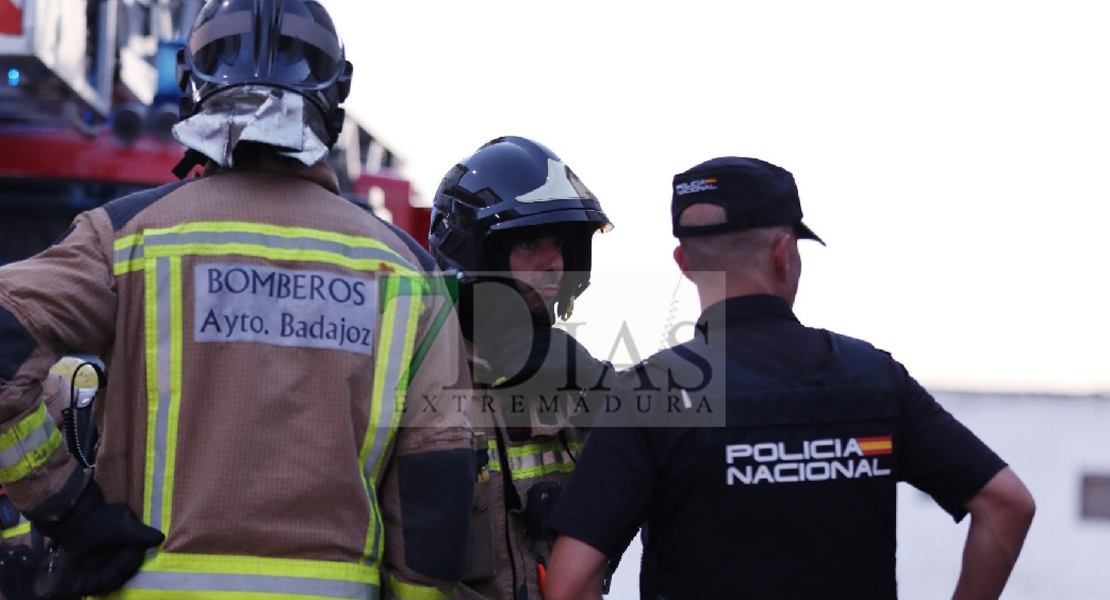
(87, 100)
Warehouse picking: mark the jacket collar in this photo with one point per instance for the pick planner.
(320, 173)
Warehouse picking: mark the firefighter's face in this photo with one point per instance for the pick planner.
(537, 265)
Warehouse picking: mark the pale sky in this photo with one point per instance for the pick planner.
(953, 155)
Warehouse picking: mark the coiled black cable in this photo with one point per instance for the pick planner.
(83, 449)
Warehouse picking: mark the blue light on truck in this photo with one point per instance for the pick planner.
(13, 77)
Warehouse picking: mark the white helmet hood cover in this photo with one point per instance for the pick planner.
(260, 114)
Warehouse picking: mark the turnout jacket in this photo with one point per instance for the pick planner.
(261, 336)
(528, 458)
(533, 431)
(15, 529)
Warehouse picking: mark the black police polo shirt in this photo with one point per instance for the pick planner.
(628, 476)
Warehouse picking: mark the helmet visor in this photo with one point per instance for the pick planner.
(305, 54)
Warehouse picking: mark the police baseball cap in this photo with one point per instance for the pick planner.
(754, 194)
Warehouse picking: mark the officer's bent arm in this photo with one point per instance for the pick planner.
(576, 571)
(1000, 517)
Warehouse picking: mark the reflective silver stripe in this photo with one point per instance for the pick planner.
(494, 458)
(394, 369)
(552, 457)
(542, 459)
(128, 254)
(538, 460)
(276, 242)
(31, 442)
(164, 366)
(269, 584)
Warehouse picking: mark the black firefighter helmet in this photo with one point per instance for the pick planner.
(510, 184)
(286, 44)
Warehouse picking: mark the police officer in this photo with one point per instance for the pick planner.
(263, 337)
(793, 495)
(514, 224)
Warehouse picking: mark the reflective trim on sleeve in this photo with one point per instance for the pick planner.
(401, 307)
(28, 444)
(408, 591)
(259, 240)
(23, 528)
(172, 576)
(127, 254)
(534, 460)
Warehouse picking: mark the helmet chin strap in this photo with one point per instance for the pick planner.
(566, 308)
(570, 290)
(190, 161)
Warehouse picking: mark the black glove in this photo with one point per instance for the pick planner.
(18, 569)
(102, 546)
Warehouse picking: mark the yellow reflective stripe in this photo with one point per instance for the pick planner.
(23, 528)
(175, 576)
(408, 288)
(127, 241)
(125, 250)
(534, 460)
(28, 444)
(544, 469)
(401, 304)
(176, 301)
(233, 237)
(538, 448)
(164, 347)
(408, 591)
(356, 264)
(150, 305)
(354, 241)
(381, 365)
(541, 448)
(494, 456)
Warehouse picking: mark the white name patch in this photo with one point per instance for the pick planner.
(284, 307)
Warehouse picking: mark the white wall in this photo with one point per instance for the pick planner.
(1050, 441)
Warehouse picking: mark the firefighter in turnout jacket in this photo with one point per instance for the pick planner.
(514, 224)
(261, 335)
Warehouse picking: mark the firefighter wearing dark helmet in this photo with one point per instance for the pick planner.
(262, 337)
(514, 225)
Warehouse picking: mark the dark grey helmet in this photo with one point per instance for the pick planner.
(286, 44)
(507, 186)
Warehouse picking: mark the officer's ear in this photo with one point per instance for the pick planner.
(680, 260)
(782, 256)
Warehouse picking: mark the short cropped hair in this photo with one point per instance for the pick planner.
(725, 251)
